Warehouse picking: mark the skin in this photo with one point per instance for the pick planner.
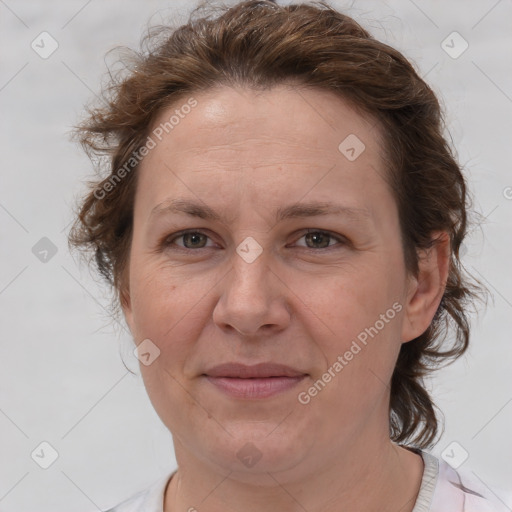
(244, 154)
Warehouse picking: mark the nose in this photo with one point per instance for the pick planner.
(253, 298)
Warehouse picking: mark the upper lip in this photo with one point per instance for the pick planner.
(261, 370)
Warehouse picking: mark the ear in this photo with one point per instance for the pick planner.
(126, 305)
(426, 290)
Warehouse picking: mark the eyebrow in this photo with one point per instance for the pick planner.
(292, 211)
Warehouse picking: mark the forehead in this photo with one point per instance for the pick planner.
(283, 119)
(285, 140)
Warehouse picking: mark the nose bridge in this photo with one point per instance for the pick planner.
(249, 297)
(250, 268)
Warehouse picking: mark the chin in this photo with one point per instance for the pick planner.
(256, 448)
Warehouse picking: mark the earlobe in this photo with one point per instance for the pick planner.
(426, 290)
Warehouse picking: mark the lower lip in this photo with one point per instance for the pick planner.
(254, 388)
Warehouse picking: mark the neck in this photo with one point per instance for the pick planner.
(375, 477)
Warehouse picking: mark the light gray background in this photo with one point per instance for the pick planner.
(62, 376)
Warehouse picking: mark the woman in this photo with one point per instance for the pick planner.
(281, 222)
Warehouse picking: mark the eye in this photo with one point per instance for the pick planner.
(191, 240)
(316, 239)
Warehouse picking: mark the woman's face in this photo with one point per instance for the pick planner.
(300, 264)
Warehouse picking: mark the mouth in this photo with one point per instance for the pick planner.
(253, 382)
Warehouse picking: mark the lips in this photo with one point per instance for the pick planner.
(250, 382)
(262, 370)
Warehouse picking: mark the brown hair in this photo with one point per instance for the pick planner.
(259, 44)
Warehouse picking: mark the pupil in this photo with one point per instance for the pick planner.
(318, 237)
(193, 237)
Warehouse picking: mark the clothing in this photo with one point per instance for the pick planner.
(442, 490)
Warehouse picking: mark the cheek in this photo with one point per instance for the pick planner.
(168, 307)
(165, 311)
(346, 303)
(359, 351)
(356, 317)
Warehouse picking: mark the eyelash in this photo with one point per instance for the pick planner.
(168, 241)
